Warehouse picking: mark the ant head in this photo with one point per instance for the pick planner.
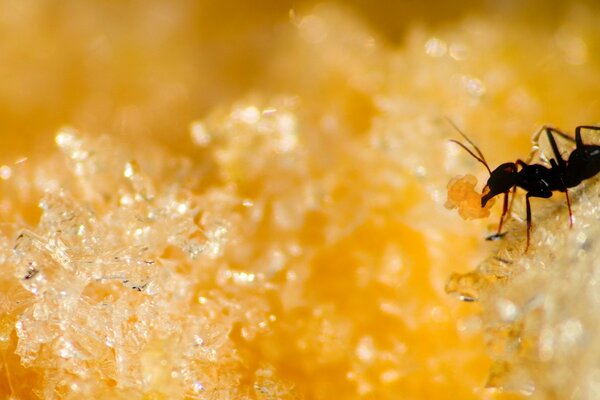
(502, 179)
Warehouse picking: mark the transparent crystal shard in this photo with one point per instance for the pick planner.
(465, 286)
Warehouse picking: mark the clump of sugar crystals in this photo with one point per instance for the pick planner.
(113, 290)
(463, 196)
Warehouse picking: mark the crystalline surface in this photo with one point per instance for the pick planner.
(251, 203)
(105, 286)
(539, 307)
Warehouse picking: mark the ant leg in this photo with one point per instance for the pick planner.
(569, 207)
(499, 234)
(578, 139)
(535, 139)
(541, 194)
(549, 131)
(557, 155)
(512, 199)
(528, 220)
(504, 209)
(507, 210)
(560, 133)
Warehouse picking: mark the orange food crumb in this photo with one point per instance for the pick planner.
(462, 195)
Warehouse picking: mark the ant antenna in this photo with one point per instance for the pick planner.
(479, 156)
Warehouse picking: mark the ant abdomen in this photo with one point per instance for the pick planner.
(583, 164)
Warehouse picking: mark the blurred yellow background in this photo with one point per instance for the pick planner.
(150, 67)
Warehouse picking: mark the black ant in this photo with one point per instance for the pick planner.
(536, 179)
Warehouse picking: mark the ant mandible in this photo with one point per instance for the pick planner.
(536, 179)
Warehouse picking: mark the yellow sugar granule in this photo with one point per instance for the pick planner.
(462, 195)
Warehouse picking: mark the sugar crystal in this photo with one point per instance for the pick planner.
(435, 47)
(5, 172)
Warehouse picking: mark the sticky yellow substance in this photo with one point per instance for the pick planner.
(462, 195)
(250, 203)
